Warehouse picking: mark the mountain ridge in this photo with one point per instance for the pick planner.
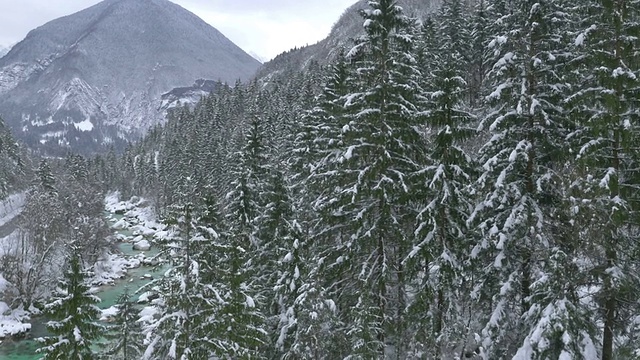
(109, 65)
(347, 27)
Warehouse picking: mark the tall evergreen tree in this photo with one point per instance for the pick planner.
(437, 261)
(606, 109)
(522, 189)
(171, 335)
(73, 316)
(363, 226)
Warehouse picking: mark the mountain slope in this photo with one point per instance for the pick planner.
(349, 26)
(4, 50)
(96, 77)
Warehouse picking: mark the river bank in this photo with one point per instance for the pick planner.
(134, 222)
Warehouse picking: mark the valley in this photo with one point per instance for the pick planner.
(450, 179)
(124, 268)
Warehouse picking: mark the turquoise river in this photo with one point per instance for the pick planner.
(24, 349)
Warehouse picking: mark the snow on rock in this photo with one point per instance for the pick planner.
(120, 225)
(112, 267)
(142, 245)
(109, 313)
(141, 229)
(13, 322)
(85, 125)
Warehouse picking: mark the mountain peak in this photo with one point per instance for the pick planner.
(109, 64)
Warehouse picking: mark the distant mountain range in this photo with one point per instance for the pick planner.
(96, 78)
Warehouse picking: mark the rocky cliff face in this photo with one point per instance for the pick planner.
(95, 78)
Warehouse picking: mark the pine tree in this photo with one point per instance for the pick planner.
(45, 179)
(522, 186)
(73, 316)
(171, 335)
(437, 261)
(281, 267)
(11, 163)
(365, 181)
(317, 135)
(606, 109)
(479, 57)
(124, 336)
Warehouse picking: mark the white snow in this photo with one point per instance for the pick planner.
(85, 125)
(10, 207)
(142, 245)
(77, 334)
(120, 225)
(108, 313)
(12, 322)
(112, 267)
(249, 302)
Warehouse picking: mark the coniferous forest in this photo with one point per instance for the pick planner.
(465, 185)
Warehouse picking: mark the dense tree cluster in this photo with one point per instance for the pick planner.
(458, 186)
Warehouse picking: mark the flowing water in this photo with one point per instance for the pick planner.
(24, 349)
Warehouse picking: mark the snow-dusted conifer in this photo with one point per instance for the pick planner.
(437, 261)
(365, 188)
(521, 185)
(605, 100)
(73, 316)
(170, 335)
(124, 335)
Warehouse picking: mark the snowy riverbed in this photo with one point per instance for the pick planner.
(135, 222)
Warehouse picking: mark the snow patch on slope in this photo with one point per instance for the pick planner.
(85, 125)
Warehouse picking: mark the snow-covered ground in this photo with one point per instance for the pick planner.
(139, 220)
(12, 321)
(11, 207)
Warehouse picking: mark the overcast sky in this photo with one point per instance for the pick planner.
(261, 27)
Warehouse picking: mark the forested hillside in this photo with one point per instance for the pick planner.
(457, 186)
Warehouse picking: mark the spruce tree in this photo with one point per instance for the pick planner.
(281, 267)
(221, 328)
(171, 335)
(605, 103)
(73, 316)
(365, 180)
(124, 335)
(522, 187)
(437, 260)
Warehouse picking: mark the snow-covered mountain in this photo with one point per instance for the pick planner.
(95, 78)
(349, 26)
(189, 95)
(4, 50)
